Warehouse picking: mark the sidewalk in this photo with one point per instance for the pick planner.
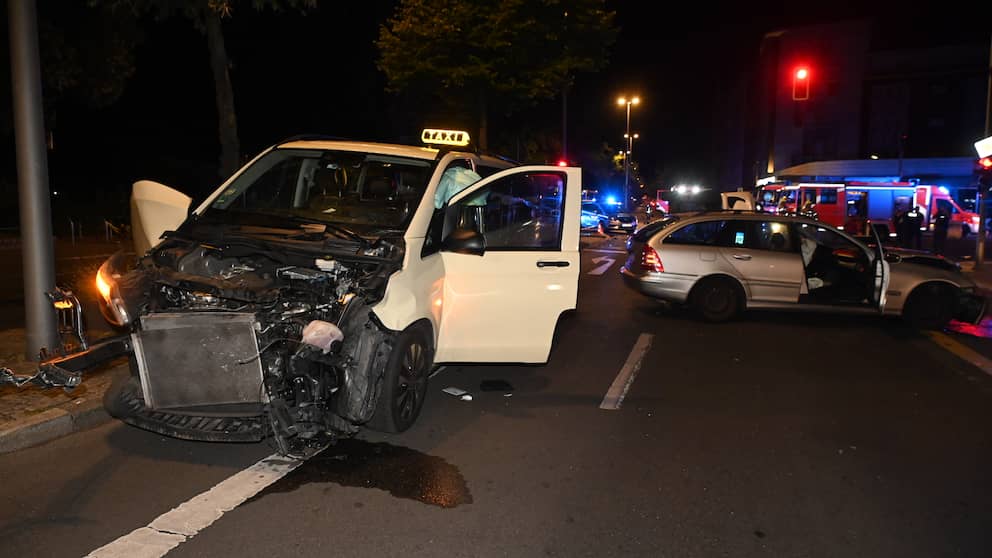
(30, 415)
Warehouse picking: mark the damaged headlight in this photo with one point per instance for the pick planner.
(112, 306)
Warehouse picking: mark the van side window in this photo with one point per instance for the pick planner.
(519, 212)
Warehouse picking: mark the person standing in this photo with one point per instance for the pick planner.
(900, 223)
(914, 220)
(941, 222)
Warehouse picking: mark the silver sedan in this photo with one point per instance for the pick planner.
(721, 263)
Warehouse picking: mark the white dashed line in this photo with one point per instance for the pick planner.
(616, 393)
(175, 527)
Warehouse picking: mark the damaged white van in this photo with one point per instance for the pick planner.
(313, 292)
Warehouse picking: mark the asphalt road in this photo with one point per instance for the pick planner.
(780, 434)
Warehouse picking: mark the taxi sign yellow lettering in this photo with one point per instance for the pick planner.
(444, 137)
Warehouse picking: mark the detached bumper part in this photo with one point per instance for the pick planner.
(127, 403)
(66, 371)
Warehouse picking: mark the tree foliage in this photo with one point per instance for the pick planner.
(206, 16)
(197, 11)
(503, 54)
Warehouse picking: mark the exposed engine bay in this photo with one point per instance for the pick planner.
(253, 337)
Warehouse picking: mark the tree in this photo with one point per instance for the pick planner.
(206, 16)
(85, 56)
(504, 55)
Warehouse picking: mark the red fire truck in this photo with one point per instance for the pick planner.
(851, 205)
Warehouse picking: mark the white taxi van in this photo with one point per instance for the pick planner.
(315, 290)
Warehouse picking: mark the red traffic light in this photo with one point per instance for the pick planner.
(800, 84)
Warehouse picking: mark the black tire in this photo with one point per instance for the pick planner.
(717, 299)
(929, 306)
(965, 231)
(404, 382)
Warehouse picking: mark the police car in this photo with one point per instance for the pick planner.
(314, 291)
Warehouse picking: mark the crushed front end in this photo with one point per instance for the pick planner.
(242, 340)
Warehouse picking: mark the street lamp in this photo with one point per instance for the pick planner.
(626, 160)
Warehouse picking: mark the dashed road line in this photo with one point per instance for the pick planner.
(962, 351)
(182, 523)
(618, 390)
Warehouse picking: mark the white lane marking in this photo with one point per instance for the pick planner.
(602, 269)
(616, 393)
(945, 341)
(604, 250)
(182, 523)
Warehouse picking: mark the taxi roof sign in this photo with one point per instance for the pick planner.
(444, 137)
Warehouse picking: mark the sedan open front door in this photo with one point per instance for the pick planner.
(511, 265)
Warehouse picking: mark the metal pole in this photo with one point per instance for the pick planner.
(980, 240)
(32, 178)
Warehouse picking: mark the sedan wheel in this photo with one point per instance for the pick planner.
(716, 300)
(929, 307)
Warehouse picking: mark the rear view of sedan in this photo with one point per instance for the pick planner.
(721, 263)
(622, 222)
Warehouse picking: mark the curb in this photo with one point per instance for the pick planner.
(53, 423)
(82, 413)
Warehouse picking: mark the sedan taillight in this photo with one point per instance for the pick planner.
(650, 260)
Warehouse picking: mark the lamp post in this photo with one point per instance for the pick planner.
(626, 160)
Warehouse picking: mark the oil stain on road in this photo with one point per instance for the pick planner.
(402, 472)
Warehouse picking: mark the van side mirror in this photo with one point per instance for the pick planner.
(464, 241)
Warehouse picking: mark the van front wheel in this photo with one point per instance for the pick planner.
(404, 382)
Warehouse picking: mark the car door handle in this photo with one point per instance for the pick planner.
(541, 263)
(744, 257)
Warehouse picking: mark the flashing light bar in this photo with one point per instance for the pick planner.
(444, 137)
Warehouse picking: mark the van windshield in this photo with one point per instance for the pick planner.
(343, 187)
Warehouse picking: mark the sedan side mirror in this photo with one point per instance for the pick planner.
(465, 241)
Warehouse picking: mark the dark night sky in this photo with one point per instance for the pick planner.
(296, 74)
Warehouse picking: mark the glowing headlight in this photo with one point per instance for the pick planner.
(112, 306)
(103, 283)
